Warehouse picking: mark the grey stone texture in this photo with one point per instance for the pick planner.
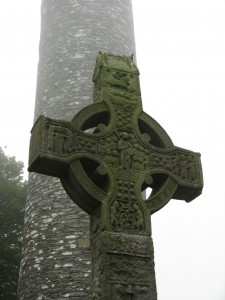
(56, 255)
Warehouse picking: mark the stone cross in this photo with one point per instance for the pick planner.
(106, 157)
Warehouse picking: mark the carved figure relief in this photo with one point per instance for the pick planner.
(126, 217)
(60, 140)
(126, 150)
(130, 292)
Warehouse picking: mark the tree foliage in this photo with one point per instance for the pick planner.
(12, 205)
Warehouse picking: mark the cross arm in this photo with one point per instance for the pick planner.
(184, 166)
(46, 155)
(187, 170)
(55, 150)
(176, 173)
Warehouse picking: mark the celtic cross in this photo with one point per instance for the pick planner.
(105, 157)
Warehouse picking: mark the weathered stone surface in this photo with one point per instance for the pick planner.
(56, 260)
(105, 157)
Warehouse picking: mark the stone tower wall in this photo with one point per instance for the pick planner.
(56, 256)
